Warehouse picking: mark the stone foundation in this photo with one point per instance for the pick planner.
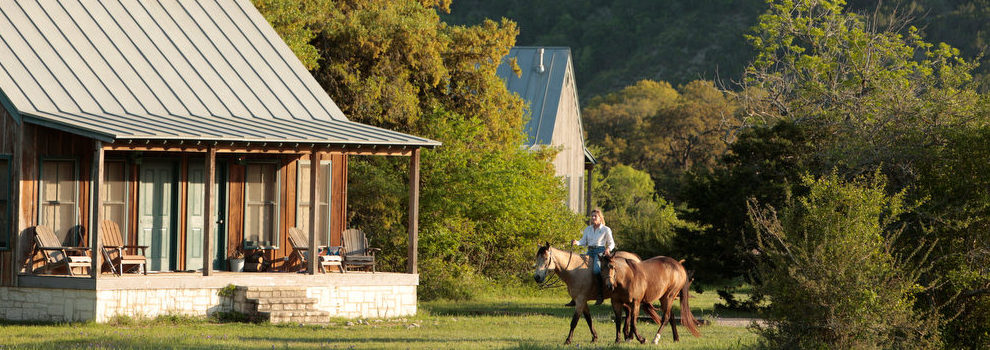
(341, 295)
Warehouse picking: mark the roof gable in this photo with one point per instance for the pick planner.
(541, 88)
(169, 69)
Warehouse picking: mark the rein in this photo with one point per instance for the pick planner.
(555, 282)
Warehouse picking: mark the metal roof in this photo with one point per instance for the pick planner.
(167, 69)
(541, 88)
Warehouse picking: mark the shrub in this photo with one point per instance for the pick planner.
(831, 273)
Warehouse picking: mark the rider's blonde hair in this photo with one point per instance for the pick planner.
(600, 214)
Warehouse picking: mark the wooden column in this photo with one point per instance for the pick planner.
(587, 194)
(314, 185)
(15, 203)
(96, 182)
(208, 202)
(413, 212)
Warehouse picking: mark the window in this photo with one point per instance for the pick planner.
(58, 199)
(261, 205)
(114, 193)
(5, 202)
(323, 200)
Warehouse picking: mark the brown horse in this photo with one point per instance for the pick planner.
(636, 282)
(573, 269)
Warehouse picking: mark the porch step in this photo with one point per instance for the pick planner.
(278, 305)
(296, 316)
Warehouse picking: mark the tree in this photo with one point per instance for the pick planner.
(643, 222)
(880, 94)
(484, 200)
(831, 268)
(666, 132)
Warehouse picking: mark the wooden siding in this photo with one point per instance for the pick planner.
(42, 142)
(569, 163)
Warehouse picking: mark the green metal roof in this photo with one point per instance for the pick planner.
(169, 69)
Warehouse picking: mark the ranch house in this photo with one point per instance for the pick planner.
(190, 129)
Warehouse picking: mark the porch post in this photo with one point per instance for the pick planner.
(314, 182)
(94, 226)
(210, 166)
(413, 212)
(16, 212)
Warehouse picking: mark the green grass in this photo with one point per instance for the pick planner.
(538, 321)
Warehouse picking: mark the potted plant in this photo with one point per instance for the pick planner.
(236, 261)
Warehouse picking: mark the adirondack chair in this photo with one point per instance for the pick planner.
(57, 255)
(116, 253)
(300, 244)
(356, 251)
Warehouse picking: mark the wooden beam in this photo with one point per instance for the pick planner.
(15, 236)
(96, 182)
(281, 148)
(413, 212)
(314, 185)
(211, 170)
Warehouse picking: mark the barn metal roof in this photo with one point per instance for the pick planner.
(167, 69)
(542, 89)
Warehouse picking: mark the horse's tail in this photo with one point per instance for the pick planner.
(687, 318)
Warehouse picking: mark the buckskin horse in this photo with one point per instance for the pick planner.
(573, 269)
(642, 282)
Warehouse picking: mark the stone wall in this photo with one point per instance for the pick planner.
(49, 304)
(149, 303)
(365, 301)
(40, 304)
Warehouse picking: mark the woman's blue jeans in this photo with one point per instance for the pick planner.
(594, 252)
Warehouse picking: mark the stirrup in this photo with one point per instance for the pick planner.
(571, 303)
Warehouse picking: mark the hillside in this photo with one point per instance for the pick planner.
(616, 43)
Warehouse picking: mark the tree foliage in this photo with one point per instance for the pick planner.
(394, 64)
(832, 271)
(665, 131)
(642, 222)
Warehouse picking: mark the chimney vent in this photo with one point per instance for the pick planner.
(540, 68)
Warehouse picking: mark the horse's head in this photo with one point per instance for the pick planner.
(609, 266)
(543, 263)
(608, 272)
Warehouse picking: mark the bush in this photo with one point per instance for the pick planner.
(831, 274)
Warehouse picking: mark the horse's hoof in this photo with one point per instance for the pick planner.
(567, 342)
(594, 339)
(641, 340)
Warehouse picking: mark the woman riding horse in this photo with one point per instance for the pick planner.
(574, 270)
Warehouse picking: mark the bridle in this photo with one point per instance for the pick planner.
(556, 281)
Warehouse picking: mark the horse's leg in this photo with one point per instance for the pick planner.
(617, 309)
(591, 325)
(666, 305)
(626, 332)
(673, 326)
(574, 321)
(632, 320)
(652, 311)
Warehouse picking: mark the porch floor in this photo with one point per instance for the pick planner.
(219, 279)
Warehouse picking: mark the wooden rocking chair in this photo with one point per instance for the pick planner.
(300, 244)
(116, 253)
(57, 255)
(356, 251)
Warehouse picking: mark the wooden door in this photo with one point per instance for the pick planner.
(195, 218)
(155, 195)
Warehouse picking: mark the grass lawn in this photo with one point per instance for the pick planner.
(514, 322)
